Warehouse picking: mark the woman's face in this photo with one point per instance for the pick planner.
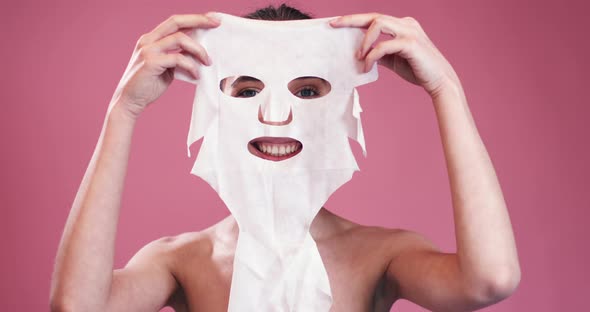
(274, 148)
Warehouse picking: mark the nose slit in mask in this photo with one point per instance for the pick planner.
(269, 121)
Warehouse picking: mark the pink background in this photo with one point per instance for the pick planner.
(522, 63)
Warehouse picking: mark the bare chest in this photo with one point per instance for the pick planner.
(355, 272)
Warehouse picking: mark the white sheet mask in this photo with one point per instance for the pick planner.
(277, 265)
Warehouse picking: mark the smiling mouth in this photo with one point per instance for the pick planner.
(273, 148)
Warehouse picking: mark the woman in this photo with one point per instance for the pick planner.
(369, 268)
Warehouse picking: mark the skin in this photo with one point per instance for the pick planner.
(369, 268)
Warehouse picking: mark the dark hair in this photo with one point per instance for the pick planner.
(281, 13)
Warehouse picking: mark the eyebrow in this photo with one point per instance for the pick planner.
(244, 79)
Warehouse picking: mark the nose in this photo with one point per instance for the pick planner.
(275, 113)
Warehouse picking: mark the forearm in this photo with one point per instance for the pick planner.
(84, 264)
(486, 249)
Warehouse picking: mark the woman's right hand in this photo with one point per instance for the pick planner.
(157, 53)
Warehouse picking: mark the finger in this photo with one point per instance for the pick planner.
(384, 48)
(377, 27)
(382, 25)
(180, 40)
(162, 62)
(354, 20)
(370, 37)
(177, 22)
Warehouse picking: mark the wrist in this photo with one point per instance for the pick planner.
(119, 112)
(448, 88)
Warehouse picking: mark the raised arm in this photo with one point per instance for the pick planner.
(83, 277)
(485, 268)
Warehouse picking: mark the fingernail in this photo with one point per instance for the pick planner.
(214, 19)
(208, 60)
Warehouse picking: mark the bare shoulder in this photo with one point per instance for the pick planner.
(392, 239)
(364, 253)
(375, 246)
(168, 255)
(171, 249)
(148, 281)
(404, 239)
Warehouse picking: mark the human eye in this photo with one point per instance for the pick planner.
(309, 87)
(307, 92)
(246, 93)
(241, 86)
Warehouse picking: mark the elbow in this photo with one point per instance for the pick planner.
(497, 288)
(60, 305)
(61, 300)
(57, 302)
(65, 304)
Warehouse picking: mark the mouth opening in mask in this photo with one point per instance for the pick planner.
(274, 148)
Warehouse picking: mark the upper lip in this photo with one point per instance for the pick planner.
(282, 147)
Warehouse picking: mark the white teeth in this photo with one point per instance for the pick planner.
(277, 149)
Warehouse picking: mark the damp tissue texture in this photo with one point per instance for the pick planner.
(277, 266)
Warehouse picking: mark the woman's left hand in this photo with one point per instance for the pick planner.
(410, 53)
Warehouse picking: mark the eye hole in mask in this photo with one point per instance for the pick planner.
(241, 86)
(307, 87)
